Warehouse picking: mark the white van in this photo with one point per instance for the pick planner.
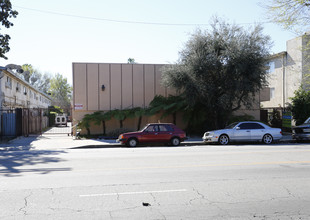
(61, 120)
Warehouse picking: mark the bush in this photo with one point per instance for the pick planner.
(51, 118)
(301, 106)
(237, 118)
(275, 119)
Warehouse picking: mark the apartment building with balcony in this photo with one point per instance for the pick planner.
(17, 93)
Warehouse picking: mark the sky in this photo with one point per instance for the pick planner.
(51, 35)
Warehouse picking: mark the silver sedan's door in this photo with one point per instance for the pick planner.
(242, 132)
(257, 131)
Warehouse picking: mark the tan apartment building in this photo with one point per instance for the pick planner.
(287, 71)
(17, 93)
(109, 86)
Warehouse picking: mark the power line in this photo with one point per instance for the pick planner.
(122, 21)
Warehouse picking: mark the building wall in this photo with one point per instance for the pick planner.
(288, 71)
(275, 77)
(109, 86)
(125, 86)
(15, 93)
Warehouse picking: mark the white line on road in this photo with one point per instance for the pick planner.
(133, 193)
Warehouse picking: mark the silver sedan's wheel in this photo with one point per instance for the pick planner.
(267, 139)
(175, 141)
(223, 139)
(132, 142)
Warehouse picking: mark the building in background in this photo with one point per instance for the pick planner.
(17, 93)
(287, 71)
(21, 105)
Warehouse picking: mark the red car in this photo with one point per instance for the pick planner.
(154, 133)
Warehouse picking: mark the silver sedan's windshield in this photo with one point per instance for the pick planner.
(231, 126)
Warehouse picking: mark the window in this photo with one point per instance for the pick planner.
(271, 67)
(165, 128)
(251, 125)
(272, 93)
(18, 87)
(244, 126)
(8, 83)
(152, 128)
(25, 90)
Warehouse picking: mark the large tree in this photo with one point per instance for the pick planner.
(220, 70)
(5, 13)
(34, 77)
(290, 14)
(60, 91)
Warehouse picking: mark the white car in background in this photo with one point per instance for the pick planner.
(243, 131)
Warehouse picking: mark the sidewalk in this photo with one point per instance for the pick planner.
(63, 142)
(53, 142)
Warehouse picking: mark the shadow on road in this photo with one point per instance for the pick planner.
(14, 163)
(18, 157)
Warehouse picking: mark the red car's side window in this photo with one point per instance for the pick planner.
(152, 128)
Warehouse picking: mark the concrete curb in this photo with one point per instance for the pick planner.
(46, 142)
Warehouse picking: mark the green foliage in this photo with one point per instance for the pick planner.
(60, 91)
(115, 133)
(6, 13)
(131, 61)
(301, 105)
(170, 105)
(51, 118)
(35, 78)
(275, 119)
(85, 123)
(55, 109)
(237, 118)
(52, 112)
(220, 70)
(290, 14)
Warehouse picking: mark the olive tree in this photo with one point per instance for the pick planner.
(220, 70)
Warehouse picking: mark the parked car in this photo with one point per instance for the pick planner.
(243, 131)
(302, 132)
(154, 133)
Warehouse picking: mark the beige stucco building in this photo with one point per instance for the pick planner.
(287, 71)
(16, 93)
(109, 86)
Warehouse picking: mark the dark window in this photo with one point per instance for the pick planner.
(152, 128)
(244, 126)
(256, 126)
(165, 128)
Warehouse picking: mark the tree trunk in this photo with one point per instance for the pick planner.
(139, 123)
(104, 127)
(174, 118)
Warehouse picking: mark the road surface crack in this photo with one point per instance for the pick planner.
(23, 209)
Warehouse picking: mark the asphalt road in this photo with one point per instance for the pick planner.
(186, 182)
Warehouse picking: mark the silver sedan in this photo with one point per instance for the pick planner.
(243, 131)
